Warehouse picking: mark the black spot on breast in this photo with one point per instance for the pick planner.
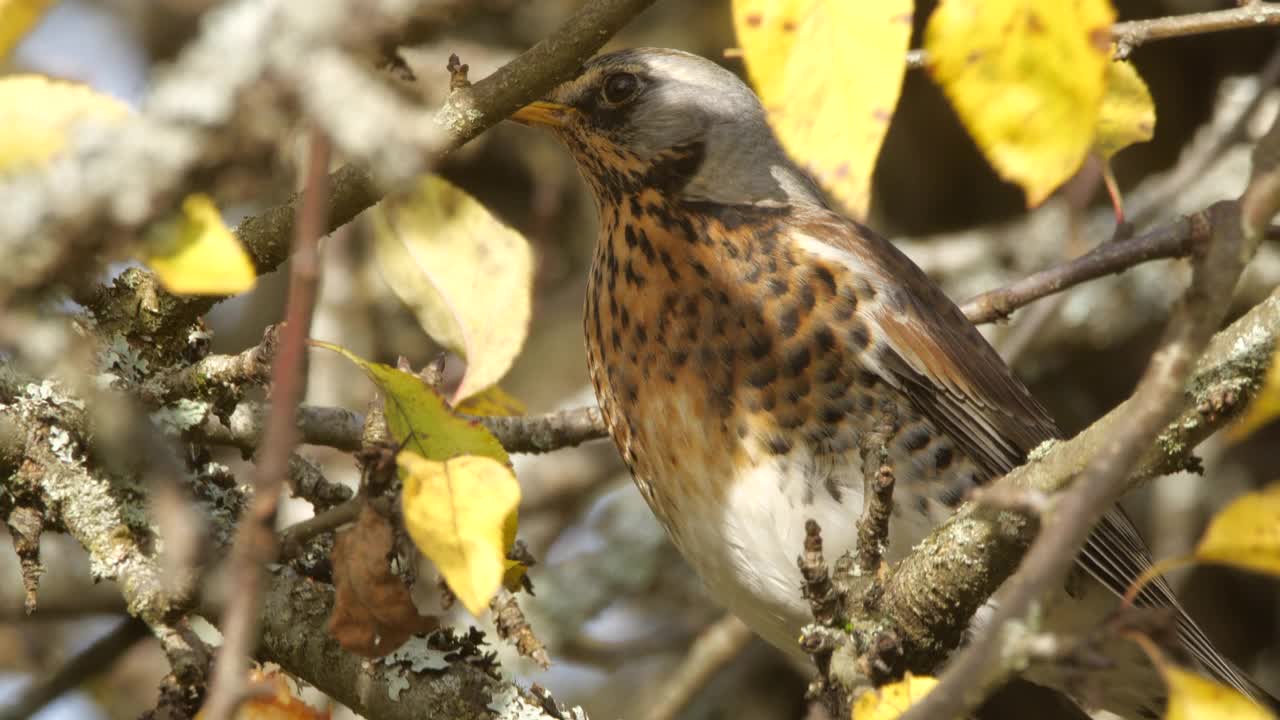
(859, 336)
(700, 269)
(669, 264)
(779, 445)
(630, 234)
(942, 458)
(807, 297)
(624, 318)
(679, 358)
(824, 341)
(916, 438)
(777, 285)
(762, 375)
(797, 361)
(633, 277)
(825, 278)
(642, 335)
(760, 346)
(789, 322)
(646, 247)
(831, 415)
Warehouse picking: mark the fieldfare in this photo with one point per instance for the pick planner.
(745, 341)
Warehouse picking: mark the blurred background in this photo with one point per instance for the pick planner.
(616, 605)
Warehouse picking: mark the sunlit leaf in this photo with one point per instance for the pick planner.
(493, 401)
(890, 701)
(16, 18)
(1265, 407)
(1027, 80)
(1127, 115)
(466, 276)
(1192, 697)
(196, 254)
(456, 512)
(419, 418)
(829, 73)
(37, 113)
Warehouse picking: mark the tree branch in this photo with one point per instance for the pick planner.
(1167, 241)
(1234, 231)
(255, 544)
(341, 428)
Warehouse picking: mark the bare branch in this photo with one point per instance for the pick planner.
(1167, 241)
(255, 544)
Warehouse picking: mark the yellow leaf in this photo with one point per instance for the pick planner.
(493, 401)
(1246, 534)
(829, 73)
(1192, 697)
(37, 113)
(456, 512)
(1026, 78)
(196, 254)
(1128, 114)
(16, 18)
(466, 276)
(1265, 406)
(890, 701)
(418, 417)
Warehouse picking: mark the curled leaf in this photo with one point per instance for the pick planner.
(373, 613)
(419, 418)
(1027, 79)
(457, 512)
(809, 60)
(467, 277)
(196, 254)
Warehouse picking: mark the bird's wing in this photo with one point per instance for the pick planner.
(930, 351)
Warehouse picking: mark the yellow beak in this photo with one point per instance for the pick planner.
(542, 113)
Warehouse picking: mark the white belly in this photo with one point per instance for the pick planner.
(747, 553)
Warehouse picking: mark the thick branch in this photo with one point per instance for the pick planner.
(341, 428)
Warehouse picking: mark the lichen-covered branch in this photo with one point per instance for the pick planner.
(341, 428)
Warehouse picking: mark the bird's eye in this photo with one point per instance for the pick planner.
(620, 87)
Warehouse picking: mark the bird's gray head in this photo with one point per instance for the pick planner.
(656, 117)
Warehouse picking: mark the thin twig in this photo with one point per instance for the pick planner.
(1134, 33)
(255, 540)
(93, 661)
(1233, 231)
(711, 651)
(1167, 241)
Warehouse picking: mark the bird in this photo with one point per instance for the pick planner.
(747, 343)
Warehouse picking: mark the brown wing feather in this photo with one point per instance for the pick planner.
(956, 379)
